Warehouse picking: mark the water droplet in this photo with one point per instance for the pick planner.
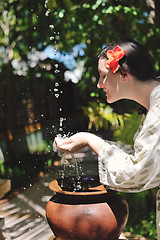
(51, 26)
(56, 65)
(56, 84)
(46, 3)
(56, 71)
(55, 89)
(55, 50)
(61, 121)
(51, 38)
(57, 95)
(47, 12)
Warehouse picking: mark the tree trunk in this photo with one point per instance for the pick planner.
(9, 154)
(157, 12)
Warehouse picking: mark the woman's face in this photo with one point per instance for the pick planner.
(111, 83)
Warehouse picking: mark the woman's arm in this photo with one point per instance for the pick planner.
(79, 141)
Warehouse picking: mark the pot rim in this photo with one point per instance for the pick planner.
(54, 186)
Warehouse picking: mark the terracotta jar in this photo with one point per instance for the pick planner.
(82, 209)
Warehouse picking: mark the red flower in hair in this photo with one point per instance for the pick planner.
(113, 58)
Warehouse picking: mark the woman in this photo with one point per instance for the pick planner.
(127, 72)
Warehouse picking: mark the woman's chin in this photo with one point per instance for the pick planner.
(109, 100)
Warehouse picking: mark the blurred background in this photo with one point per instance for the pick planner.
(48, 78)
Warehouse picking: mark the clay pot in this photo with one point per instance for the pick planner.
(82, 209)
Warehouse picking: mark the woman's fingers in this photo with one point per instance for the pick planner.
(63, 144)
(71, 144)
(61, 141)
(79, 141)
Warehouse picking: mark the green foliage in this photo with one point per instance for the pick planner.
(9, 172)
(49, 162)
(2, 167)
(144, 227)
(102, 116)
(42, 146)
(131, 124)
(142, 214)
(147, 228)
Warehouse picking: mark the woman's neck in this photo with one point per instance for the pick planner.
(142, 92)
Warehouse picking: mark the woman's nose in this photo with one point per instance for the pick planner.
(100, 84)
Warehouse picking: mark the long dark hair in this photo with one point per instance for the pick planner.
(137, 60)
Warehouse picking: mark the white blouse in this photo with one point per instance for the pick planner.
(124, 169)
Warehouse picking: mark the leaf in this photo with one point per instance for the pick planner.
(101, 115)
(126, 133)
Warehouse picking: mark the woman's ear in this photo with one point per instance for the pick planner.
(125, 75)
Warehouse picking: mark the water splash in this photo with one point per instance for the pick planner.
(61, 124)
(46, 4)
(72, 163)
(56, 68)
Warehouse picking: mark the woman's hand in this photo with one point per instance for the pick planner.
(71, 144)
(78, 141)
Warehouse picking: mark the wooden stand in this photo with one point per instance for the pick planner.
(5, 186)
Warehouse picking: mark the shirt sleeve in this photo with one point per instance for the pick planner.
(138, 170)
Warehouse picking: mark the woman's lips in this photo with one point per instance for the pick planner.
(105, 91)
